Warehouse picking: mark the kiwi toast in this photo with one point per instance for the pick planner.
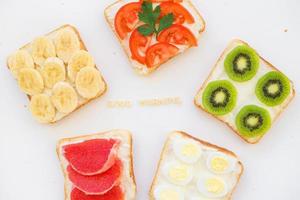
(190, 168)
(245, 91)
(57, 73)
(133, 23)
(98, 166)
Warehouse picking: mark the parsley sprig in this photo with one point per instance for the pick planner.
(150, 18)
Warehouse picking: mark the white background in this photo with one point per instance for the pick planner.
(29, 168)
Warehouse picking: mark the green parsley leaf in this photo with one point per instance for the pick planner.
(147, 7)
(156, 13)
(165, 22)
(150, 18)
(145, 30)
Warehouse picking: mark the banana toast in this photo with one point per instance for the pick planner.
(57, 73)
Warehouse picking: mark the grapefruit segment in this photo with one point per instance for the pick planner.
(115, 193)
(92, 156)
(96, 184)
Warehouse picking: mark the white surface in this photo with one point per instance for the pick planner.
(29, 167)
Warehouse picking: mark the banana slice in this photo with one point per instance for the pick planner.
(18, 60)
(53, 71)
(42, 108)
(66, 43)
(42, 48)
(30, 81)
(64, 97)
(79, 60)
(89, 82)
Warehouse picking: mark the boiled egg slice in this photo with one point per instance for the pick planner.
(178, 173)
(188, 151)
(168, 193)
(200, 198)
(212, 187)
(220, 163)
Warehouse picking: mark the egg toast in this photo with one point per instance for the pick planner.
(245, 91)
(152, 32)
(57, 73)
(98, 166)
(190, 168)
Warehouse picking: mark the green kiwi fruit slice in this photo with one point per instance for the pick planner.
(273, 88)
(219, 97)
(253, 121)
(242, 63)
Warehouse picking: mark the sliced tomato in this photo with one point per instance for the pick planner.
(180, 13)
(177, 34)
(160, 53)
(159, 1)
(138, 45)
(127, 18)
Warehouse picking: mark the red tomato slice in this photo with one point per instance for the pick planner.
(180, 13)
(177, 34)
(127, 18)
(138, 45)
(160, 53)
(159, 1)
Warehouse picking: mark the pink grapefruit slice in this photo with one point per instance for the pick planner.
(96, 184)
(115, 193)
(92, 156)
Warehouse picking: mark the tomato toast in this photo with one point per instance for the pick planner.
(152, 32)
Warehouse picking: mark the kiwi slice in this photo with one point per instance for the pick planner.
(253, 121)
(242, 63)
(219, 97)
(273, 88)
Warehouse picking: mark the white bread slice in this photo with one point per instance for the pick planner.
(167, 155)
(197, 29)
(81, 101)
(218, 73)
(125, 153)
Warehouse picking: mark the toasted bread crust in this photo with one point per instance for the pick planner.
(162, 155)
(65, 141)
(149, 70)
(83, 47)
(229, 125)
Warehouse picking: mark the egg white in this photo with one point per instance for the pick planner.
(231, 162)
(162, 188)
(178, 148)
(200, 198)
(202, 189)
(168, 167)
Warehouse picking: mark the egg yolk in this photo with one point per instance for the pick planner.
(179, 173)
(169, 194)
(189, 150)
(219, 164)
(215, 186)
